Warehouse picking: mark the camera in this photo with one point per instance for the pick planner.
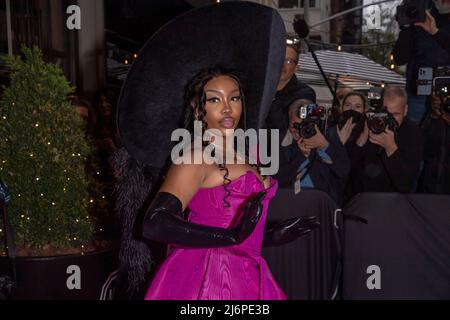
(375, 97)
(410, 12)
(312, 115)
(435, 80)
(377, 122)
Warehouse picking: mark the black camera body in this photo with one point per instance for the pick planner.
(312, 115)
(377, 122)
(411, 11)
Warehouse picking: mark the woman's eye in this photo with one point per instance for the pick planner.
(213, 99)
(238, 98)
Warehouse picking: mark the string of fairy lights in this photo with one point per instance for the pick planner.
(32, 155)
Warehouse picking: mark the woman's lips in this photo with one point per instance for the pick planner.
(227, 123)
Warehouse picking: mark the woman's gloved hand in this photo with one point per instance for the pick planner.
(249, 218)
(163, 223)
(289, 230)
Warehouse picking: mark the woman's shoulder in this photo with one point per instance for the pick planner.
(192, 154)
(197, 160)
(191, 164)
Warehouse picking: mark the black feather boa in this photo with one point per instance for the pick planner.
(133, 191)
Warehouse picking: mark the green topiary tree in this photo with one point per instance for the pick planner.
(43, 149)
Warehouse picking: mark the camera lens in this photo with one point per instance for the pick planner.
(307, 130)
(377, 125)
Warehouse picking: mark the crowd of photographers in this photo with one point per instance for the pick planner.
(391, 140)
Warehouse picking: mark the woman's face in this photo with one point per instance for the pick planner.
(223, 103)
(353, 103)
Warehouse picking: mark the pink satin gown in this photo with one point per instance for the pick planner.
(226, 273)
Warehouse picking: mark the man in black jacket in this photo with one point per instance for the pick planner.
(289, 90)
(319, 162)
(419, 46)
(441, 36)
(390, 161)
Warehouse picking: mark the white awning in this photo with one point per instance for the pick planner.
(350, 69)
(323, 95)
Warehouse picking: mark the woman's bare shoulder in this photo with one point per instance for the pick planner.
(183, 181)
(193, 154)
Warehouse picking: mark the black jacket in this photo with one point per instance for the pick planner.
(330, 178)
(373, 171)
(295, 89)
(442, 37)
(419, 49)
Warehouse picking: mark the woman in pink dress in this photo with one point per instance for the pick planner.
(215, 252)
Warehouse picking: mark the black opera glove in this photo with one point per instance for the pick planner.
(163, 223)
(289, 230)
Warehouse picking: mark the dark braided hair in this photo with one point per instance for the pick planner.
(194, 103)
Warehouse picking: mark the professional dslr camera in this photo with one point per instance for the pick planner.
(438, 81)
(377, 122)
(410, 12)
(312, 114)
(378, 118)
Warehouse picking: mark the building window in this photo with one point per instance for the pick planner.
(288, 4)
(291, 4)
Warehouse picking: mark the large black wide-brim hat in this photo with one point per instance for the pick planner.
(244, 36)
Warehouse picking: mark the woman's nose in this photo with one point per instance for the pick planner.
(226, 107)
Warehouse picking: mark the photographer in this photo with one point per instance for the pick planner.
(417, 48)
(289, 90)
(442, 37)
(388, 161)
(351, 123)
(317, 162)
(435, 176)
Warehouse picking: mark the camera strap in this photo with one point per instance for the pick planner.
(304, 172)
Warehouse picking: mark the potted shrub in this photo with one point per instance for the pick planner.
(43, 157)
